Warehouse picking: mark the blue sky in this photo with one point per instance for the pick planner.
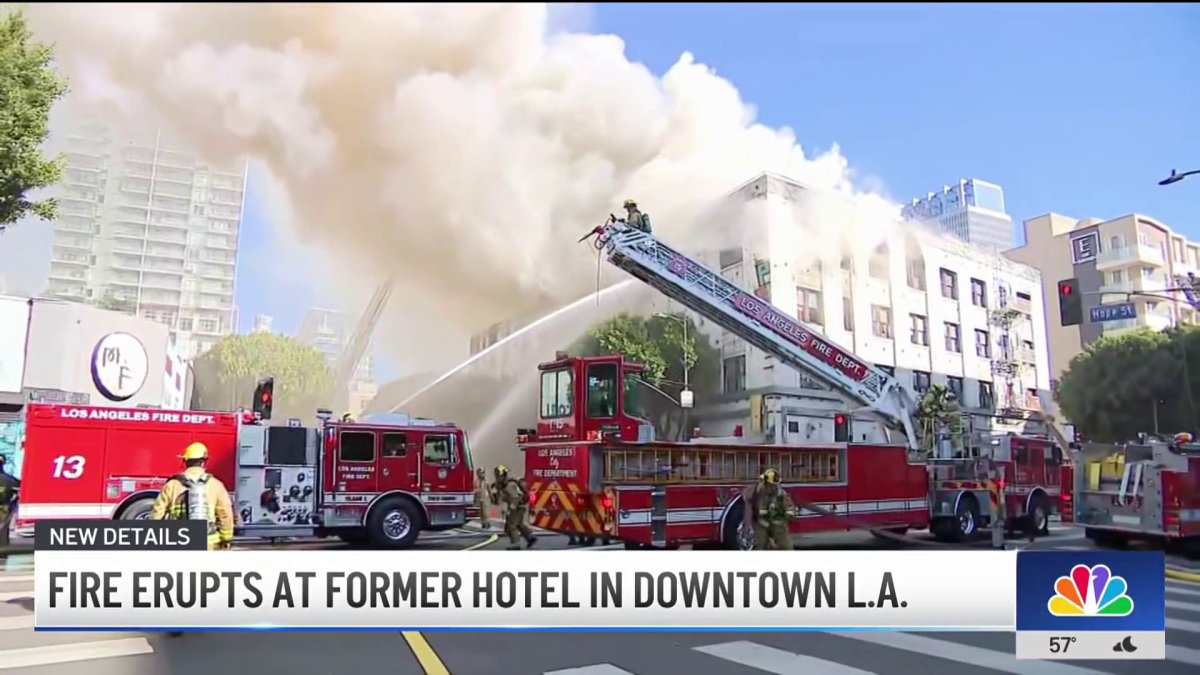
(1074, 109)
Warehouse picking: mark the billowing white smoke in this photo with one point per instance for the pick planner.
(464, 148)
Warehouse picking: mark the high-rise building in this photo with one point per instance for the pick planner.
(971, 210)
(329, 331)
(1110, 259)
(262, 323)
(147, 228)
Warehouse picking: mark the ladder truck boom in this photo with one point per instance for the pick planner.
(707, 293)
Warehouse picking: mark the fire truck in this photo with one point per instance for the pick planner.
(594, 468)
(380, 481)
(1146, 491)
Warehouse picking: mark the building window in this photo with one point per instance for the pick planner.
(918, 330)
(920, 381)
(185, 324)
(978, 293)
(1115, 242)
(881, 321)
(846, 264)
(987, 398)
(916, 274)
(208, 326)
(955, 386)
(1116, 277)
(733, 374)
(808, 306)
(949, 284)
(877, 266)
(891, 372)
(847, 314)
(953, 338)
(983, 347)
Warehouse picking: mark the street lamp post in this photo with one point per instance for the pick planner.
(686, 397)
(1175, 176)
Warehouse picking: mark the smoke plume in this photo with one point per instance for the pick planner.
(463, 148)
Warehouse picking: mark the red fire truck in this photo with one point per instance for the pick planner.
(1139, 492)
(381, 480)
(594, 468)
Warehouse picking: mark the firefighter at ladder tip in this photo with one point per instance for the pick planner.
(634, 217)
(514, 500)
(771, 509)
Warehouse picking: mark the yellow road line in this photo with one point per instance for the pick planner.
(1180, 575)
(430, 662)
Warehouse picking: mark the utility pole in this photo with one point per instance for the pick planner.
(686, 396)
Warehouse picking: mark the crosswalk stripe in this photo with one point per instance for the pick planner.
(1183, 590)
(976, 656)
(15, 578)
(16, 622)
(9, 596)
(1180, 624)
(69, 653)
(1185, 605)
(598, 669)
(1183, 655)
(776, 661)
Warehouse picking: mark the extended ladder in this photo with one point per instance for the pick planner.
(707, 293)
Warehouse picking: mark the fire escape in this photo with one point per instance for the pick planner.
(1007, 367)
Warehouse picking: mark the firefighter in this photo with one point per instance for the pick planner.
(8, 498)
(483, 498)
(635, 218)
(177, 501)
(514, 503)
(771, 509)
(347, 417)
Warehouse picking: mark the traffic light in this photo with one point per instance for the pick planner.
(841, 428)
(264, 397)
(1070, 302)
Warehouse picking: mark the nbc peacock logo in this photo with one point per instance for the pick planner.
(1091, 591)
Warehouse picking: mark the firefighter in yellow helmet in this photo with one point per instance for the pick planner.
(196, 494)
(347, 417)
(635, 218)
(769, 510)
(483, 498)
(514, 504)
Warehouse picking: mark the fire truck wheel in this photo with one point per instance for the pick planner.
(394, 524)
(139, 510)
(1038, 520)
(964, 526)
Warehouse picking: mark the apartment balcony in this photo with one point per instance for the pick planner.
(1021, 305)
(172, 254)
(1032, 402)
(1184, 268)
(71, 258)
(1116, 258)
(1135, 285)
(1027, 355)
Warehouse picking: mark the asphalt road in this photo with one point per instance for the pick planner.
(28, 653)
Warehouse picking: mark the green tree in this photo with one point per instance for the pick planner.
(29, 86)
(225, 376)
(112, 302)
(658, 344)
(1133, 382)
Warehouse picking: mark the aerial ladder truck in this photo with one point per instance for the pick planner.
(925, 484)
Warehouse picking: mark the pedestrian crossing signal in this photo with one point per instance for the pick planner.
(841, 428)
(264, 398)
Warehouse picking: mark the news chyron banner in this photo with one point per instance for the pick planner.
(1091, 605)
(163, 580)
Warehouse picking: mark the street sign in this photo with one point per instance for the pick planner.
(1102, 313)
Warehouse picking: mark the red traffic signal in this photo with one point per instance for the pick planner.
(841, 428)
(1065, 289)
(839, 419)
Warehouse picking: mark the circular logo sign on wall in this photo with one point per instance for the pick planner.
(119, 366)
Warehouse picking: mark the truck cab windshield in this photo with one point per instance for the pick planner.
(634, 395)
